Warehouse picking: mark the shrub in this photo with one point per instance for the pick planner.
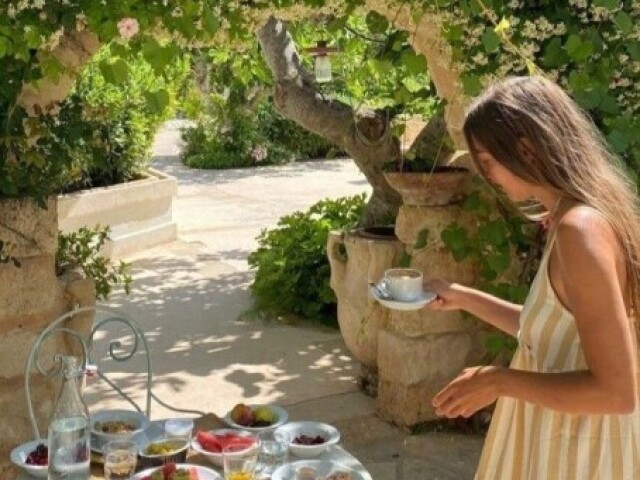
(107, 129)
(292, 269)
(233, 136)
(80, 251)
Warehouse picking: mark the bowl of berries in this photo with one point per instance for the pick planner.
(32, 458)
(309, 439)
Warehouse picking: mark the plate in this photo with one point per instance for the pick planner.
(280, 412)
(424, 299)
(203, 472)
(323, 468)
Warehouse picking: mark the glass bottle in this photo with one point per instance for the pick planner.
(69, 452)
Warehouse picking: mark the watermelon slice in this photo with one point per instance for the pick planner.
(216, 442)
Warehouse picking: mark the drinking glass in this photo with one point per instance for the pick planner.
(274, 449)
(178, 428)
(120, 459)
(240, 461)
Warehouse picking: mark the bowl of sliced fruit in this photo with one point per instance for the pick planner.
(32, 458)
(210, 443)
(256, 418)
(178, 471)
(309, 439)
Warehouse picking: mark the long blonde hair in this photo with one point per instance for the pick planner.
(571, 155)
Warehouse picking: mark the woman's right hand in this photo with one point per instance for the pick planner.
(448, 294)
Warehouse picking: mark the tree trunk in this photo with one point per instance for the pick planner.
(364, 135)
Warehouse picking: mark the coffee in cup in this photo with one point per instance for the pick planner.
(404, 284)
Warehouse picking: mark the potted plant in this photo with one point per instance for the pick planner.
(425, 175)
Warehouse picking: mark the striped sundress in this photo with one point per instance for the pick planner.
(526, 441)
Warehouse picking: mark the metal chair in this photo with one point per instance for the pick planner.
(116, 352)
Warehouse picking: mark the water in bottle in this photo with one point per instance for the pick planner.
(69, 449)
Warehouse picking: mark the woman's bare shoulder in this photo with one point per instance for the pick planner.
(585, 229)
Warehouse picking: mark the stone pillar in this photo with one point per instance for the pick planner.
(420, 351)
(31, 296)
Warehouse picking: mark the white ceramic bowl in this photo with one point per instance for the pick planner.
(281, 418)
(214, 457)
(177, 455)
(99, 439)
(292, 430)
(19, 457)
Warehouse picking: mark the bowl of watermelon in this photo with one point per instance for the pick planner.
(210, 444)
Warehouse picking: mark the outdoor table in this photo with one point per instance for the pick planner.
(211, 422)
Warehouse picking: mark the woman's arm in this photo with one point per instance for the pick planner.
(493, 310)
(592, 275)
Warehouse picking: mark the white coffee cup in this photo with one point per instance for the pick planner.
(404, 284)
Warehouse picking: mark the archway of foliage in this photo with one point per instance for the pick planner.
(592, 47)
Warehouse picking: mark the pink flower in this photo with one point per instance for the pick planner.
(259, 153)
(128, 28)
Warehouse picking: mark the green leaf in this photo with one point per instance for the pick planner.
(490, 40)
(5, 43)
(157, 101)
(554, 55)
(618, 140)
(412, 84)
(608, 4)
(376, 23)
(211, 23)
(624, 21)
(499, 262)
(405, 260)
(454, 236)
(578, 49)
(415, 64)
(633, 47)
(471, 84)
(422, 240)
(114, 71)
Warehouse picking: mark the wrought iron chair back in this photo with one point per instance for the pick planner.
(117, 352)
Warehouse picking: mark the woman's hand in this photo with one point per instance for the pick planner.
(448, 294)
(472, 390)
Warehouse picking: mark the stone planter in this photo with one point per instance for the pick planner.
(443, 186)
(139, 213)
(413, 354)
(356, 261)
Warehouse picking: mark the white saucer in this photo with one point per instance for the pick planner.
(424, 299)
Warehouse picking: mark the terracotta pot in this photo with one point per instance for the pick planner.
(443, 186)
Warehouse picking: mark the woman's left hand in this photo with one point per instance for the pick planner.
(472, 390)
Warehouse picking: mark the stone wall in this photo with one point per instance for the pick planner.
(31, 296)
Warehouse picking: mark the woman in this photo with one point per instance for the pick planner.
(568, 405)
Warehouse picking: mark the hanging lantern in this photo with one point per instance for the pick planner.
(322, 66)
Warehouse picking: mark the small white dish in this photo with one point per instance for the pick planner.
(322, 468)
(281, 414)
(292, 430)
(99, 439)
(424, 299)
(19, 457)
(204, 473)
